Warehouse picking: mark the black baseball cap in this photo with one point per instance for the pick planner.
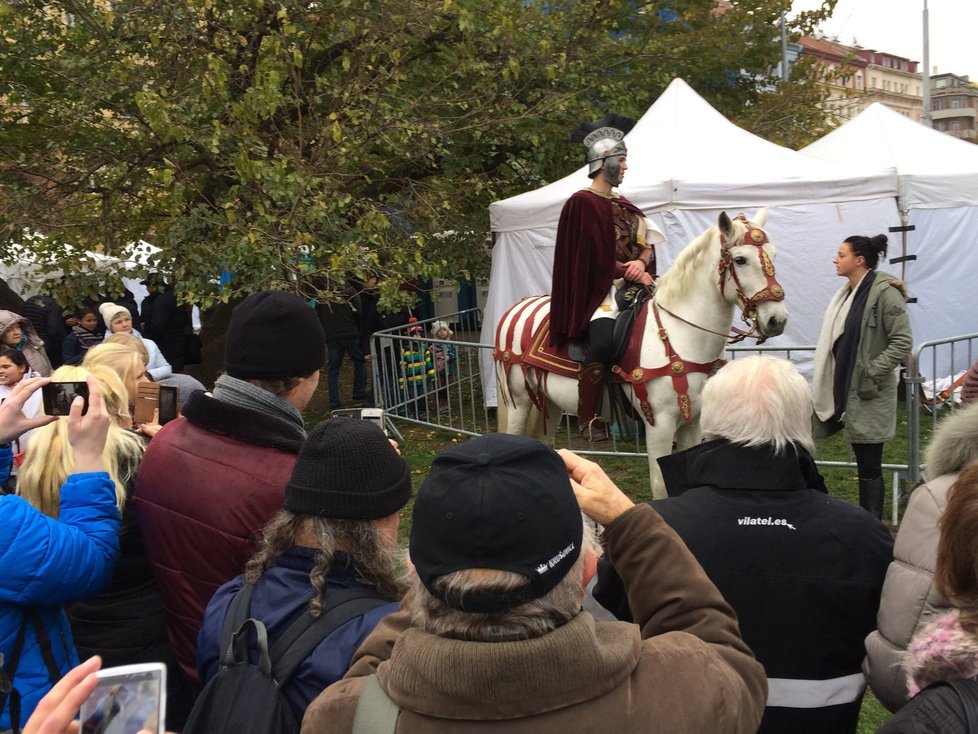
(496, 502)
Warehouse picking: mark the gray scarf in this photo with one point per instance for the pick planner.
(243, 394)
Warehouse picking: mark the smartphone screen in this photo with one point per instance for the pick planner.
(58, 396)
(126, 700)
(168, 403)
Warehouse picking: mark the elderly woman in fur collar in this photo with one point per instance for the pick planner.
(865, 336)
(946, 651)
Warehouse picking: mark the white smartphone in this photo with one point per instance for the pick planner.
(126, 700)
(374, 415)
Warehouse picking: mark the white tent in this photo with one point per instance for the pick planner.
(938, 195)
(686, 164)
(23, 273)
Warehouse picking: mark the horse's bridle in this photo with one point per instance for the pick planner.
(772, 291)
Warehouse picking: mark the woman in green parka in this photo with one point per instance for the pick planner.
(865, 337)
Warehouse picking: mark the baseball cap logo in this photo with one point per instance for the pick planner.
(544, 567)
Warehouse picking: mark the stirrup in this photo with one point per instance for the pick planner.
(595, 430)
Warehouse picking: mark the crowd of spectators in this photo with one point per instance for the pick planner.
(748, 600)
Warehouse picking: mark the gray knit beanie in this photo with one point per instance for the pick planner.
(348, 469)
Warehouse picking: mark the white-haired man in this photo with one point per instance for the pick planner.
(803, 571)
(492, 638)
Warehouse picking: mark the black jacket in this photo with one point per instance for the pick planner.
(166, 323)
(935, 709)
(803, 571)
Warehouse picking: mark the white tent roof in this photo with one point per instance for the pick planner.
(935, 170)
(684, 154)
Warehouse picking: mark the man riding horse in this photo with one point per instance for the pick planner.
(604, 242)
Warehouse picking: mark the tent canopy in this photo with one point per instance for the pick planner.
(684, 154)
(935, 170)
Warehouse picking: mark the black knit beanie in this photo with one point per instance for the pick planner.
(348, 469)
(274, 335)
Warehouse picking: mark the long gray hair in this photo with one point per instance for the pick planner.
(374, 561)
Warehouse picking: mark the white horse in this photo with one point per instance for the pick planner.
(727, 266)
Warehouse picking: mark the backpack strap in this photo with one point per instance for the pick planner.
(236, 615)
(376, 712)
(305, 634)
(44, 642)
(7, 675)
(237, 653)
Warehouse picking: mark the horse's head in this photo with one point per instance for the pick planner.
(747, 276)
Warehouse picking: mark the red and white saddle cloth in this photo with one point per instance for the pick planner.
(526, 346)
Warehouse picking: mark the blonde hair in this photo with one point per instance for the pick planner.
(49, 459)
(120, 358)
(132, 341)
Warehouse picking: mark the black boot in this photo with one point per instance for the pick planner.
(589, 386)
(871, 496)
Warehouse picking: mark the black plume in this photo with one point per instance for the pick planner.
(609, 120)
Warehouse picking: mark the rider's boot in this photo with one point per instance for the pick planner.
(589, 386)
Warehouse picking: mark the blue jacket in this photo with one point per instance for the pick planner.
(282, 594)
(47, 563)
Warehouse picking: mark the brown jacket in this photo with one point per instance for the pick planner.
(684, 668)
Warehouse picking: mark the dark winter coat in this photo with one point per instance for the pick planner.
(166, 323)
(208, 483)
(802, 570)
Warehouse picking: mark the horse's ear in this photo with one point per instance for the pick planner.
(760, 219)
(725, 225)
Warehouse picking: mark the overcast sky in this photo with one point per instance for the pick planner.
(895, 26)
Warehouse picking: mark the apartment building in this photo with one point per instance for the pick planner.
(954, 105)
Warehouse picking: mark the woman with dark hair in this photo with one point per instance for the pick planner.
(15, 368)
(946, 651)
(865, 337)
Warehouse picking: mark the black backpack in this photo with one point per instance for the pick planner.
(246, 698)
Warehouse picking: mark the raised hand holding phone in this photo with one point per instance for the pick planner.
(13, 422)
(87, 433)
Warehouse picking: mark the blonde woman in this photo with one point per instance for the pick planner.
(185, 384)
(50, 459)
(125, 624)
(128, 364)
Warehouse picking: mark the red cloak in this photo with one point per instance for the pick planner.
(585, 257)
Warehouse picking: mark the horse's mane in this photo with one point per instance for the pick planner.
(676, 279)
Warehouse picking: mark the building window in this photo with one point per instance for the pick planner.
(859, 81)
(872, 82)
(955, 125)
(955, 104)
